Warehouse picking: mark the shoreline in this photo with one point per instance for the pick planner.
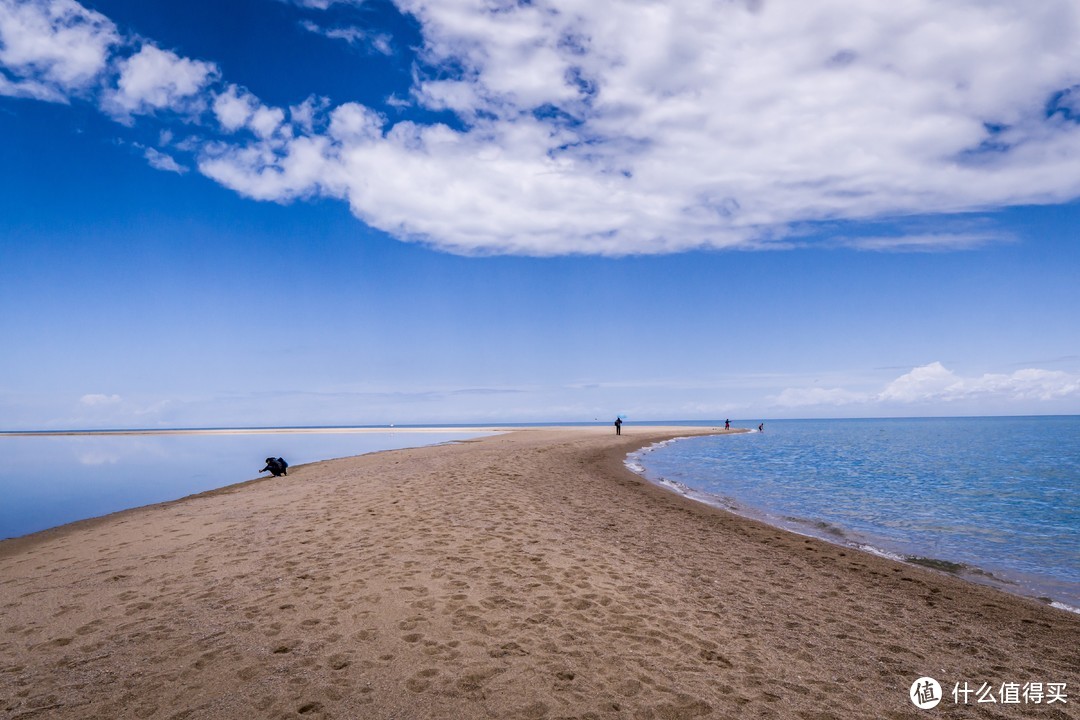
(1042, 588)
(1004, 581)
(56, 478)
(998, 580)
(526, 574)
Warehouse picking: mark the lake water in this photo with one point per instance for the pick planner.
(996, 500)
(47, 481)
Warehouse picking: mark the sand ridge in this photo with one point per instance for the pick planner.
(525, 575)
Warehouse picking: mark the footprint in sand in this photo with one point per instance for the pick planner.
(421, 681)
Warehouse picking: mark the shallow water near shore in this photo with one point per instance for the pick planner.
(995, 500)
(46, 481)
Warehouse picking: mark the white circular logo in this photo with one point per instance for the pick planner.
(925, 693)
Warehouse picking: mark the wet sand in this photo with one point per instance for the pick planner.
(526, 575)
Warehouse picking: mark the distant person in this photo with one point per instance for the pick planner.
(618, 426)
(761, 427)
(727, 424)
(277, 466)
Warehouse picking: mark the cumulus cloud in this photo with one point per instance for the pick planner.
(236, 108)
(279, 170)
(928, 381)
(642, 127)
(49, 50)
(935, 384)
(653, 127)
(305, 115)
(155, 79)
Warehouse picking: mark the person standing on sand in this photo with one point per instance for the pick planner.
(618, 426)
(727, 424)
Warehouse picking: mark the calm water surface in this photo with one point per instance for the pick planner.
(983, 495)
(51, 480)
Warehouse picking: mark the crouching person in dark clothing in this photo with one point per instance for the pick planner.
(277, 466)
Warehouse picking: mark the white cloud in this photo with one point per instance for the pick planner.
(377, 42)
(265, 121)
(930, 242)
(162, 161)
(155, 79)
(934, 382)
(279, 170)
(305, 115)
(236, 108)
(233, 108)
(935, 385)
(321, 4)
(922, 383)
(31, 89)
(355, 123)
(50, 49)
(656, 127)
(641, 127)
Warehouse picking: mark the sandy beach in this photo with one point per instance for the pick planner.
(524, 575)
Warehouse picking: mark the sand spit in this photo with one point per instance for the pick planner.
(524, 575)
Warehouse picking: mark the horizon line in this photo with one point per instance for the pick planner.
(465, 426)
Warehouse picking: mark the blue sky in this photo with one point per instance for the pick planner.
(319, 212)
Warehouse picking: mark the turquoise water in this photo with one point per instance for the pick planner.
(47, 481)
(996, 499)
